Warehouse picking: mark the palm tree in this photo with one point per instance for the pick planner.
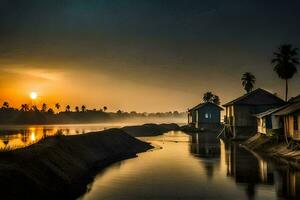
(207, 96)
(24, 107)
(44, 107)
(285, 63)
(77, 109)
(34, 108)
(83, 108)
(57, 106)
(5, 104)
(248, 81)
(68, 107)
(104, 108)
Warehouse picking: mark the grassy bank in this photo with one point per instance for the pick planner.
(149, 129)
(60, 167)
(272, 147)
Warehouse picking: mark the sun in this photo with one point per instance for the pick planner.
(33, 95)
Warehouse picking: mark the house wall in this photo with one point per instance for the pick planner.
(261, 125)
(289, 126)
(244, 121)
(276, 122)
(229, 115)
(212, 112)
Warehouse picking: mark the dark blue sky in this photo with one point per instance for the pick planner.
(184, 47)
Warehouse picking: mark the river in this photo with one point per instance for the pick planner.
(18, 136)
(194, 167)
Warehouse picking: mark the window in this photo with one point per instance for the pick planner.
(295, 116)
(206, 115)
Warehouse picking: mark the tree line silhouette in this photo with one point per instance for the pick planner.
(80, 114)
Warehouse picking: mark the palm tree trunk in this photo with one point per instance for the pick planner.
(286, 89)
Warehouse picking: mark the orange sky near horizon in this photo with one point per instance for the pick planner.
(95, 89)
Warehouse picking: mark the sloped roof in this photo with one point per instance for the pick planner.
(270, 111)
(289, 109)
(205, 104)
(256, 97)
(295, 99)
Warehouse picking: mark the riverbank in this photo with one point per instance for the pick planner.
(271, 147)
(60, 167)
(150, 129)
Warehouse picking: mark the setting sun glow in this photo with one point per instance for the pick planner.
(33, 95)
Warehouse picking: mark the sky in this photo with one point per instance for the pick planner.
(142, 55)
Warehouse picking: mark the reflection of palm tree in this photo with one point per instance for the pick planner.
(285, 61)
(24, 137)
(248, 81)
(5, 140)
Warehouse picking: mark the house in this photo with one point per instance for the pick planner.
(240, 120)
(291, 120)
(204, 115)
(269, 123)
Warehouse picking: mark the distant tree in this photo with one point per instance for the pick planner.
(5, 105)
(57, 106)
(83, 108)
(175, 113)
(68, 108)
(34, 108)
(285, 63)
(44, 107)
(248, 81)
(24, 107)
(207, 97)
(50, 111)
(77, 108)
(104, 108)
(119, 112)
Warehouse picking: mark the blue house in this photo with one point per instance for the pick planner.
(204, 115)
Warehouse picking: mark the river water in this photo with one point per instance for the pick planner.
(194, 167)
(18, 136)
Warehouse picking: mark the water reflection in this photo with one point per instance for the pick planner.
(196, 167)
(13, 137)
(248, 169)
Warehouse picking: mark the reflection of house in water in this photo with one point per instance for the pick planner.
(206, 146)
(247, 168)
(288, 185)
